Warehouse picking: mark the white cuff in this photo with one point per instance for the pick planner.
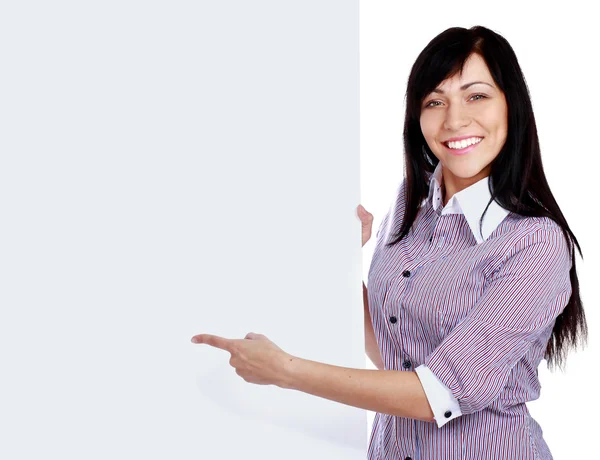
(443, 404)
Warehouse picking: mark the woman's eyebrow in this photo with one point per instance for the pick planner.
(463, 87)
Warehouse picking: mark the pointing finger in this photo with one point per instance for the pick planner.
(212, 340)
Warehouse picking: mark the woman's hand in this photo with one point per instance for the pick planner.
(367, 223)
(255, 358)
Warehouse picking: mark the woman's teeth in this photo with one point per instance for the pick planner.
(464, 143)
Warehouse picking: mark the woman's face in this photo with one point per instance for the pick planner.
(477, 111)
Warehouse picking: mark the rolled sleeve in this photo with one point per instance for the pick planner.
(443, 404)
(521, 300)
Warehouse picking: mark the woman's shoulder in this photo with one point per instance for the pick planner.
(531, 225)
(522, 232)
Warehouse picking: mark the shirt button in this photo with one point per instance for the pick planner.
(447, 414)
(408, 458)
(430, 239)
(406, 273)
(393, 319)
(406, 364)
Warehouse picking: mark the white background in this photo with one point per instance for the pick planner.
(120, 238)
(556, 44)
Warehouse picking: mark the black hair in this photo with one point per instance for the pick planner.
(517, 181)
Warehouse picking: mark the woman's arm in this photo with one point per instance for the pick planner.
(371, 347)
(398, 393)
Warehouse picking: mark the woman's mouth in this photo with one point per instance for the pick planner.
(457, 148)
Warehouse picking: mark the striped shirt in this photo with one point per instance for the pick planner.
(471, 313)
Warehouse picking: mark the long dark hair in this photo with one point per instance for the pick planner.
(517, 180)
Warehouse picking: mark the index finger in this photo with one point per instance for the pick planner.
(213, 340)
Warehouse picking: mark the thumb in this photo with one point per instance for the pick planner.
(365, 217)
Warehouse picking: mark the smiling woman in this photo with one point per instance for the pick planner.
(460, 311)
(473, 279)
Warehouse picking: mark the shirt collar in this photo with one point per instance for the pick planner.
(470, 201)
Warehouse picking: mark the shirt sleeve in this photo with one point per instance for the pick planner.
(521, 300)
(443, 404)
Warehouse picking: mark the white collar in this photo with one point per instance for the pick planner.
(471, 202)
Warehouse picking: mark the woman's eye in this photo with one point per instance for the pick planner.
(481, 96)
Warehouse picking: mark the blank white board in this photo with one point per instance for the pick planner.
(171, 169)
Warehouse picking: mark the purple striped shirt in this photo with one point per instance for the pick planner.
(474, 312)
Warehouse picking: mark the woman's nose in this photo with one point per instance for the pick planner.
(456, 118)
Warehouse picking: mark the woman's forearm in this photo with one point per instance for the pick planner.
(398, 393)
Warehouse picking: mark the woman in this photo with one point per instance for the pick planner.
(472, 281)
